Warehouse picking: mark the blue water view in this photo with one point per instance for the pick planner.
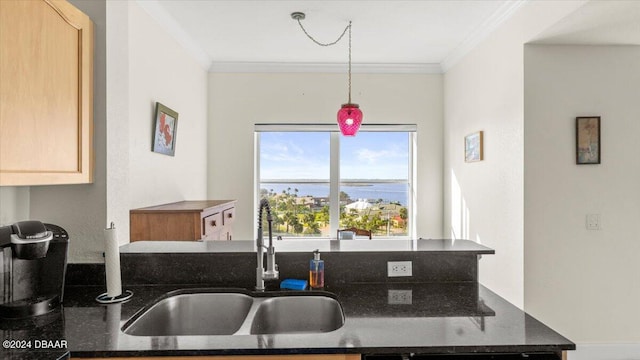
(371, 192)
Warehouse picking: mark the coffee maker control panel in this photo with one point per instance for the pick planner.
(58, 232)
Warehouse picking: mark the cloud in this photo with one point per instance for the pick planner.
(282, 152)
(390, 171)
(286, 159)
(310, 171)
(374, 156)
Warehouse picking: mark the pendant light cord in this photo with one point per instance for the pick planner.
(349, 102)
(327, 44)
(333, 43)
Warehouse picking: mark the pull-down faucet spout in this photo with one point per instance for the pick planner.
(272, 269)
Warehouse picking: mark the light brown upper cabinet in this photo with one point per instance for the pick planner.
(46, 93)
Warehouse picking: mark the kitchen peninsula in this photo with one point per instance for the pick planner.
(443, 310)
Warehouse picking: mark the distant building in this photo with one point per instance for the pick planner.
(360, 205)
(398, 222)
(307, 201)
(320, 201)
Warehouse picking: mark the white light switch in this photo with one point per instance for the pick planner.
(593, 222)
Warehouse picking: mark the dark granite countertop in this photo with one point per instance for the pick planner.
(447, 311)
(443, 318)
(448, 246)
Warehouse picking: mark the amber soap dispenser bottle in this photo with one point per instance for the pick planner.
(316, 271)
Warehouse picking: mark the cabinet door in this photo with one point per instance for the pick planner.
(229, 217)
(46, 93)
(212, 227)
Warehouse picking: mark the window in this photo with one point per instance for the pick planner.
(318, 181)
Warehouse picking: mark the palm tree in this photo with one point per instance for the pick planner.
(289, 219)
(349, 218)
(310, 223)
(404, 216)
(322, 216)
(297, 226)
(313, 228)
(277, 222)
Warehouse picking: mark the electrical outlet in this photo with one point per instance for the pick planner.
(404, 297)
(593, 222)
(399, 268)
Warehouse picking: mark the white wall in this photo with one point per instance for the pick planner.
(14, 204)
(238, 101)
(147, 65)
(585, 284)
(484, 91)
(605, 352)
(117, 132)
(161, 70)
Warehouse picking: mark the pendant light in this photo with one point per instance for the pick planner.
(349, 115)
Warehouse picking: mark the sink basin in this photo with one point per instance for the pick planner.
(213, 312)
(297, 314)
(192, 314)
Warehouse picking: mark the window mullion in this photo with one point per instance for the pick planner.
(412, 198)
(334, 183)
(256, 181)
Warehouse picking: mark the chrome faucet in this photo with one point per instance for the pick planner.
(272, 269)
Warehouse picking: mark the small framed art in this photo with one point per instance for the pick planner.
(473, 144)
(165, 129)
(588, 140)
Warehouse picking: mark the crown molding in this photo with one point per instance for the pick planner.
(162, 16)
(292, 67)
(167, 22)
(482, 32)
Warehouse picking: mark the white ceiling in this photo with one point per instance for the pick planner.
(597, 23)
(420, 36)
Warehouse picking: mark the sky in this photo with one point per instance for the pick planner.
(305, 155)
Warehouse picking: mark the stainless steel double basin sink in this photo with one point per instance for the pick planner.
(236, 312)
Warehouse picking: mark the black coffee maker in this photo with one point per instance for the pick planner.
(33, 264)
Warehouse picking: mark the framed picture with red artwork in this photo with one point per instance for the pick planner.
(165, 129)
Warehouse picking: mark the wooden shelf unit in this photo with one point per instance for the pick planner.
(184, 221)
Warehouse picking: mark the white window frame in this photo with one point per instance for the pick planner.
(334, 170)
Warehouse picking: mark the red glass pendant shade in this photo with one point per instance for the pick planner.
(349, 119)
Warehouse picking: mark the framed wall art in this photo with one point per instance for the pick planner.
(588, 140)
(473, 144)
(165, 129)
